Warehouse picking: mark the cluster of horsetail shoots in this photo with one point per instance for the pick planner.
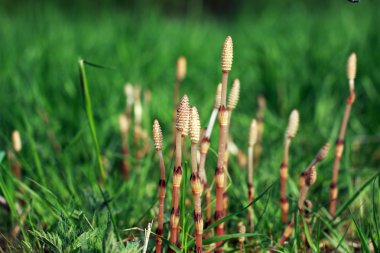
(187, 123)
(227, 55)
(339, 145)
(182, 125)
(252, 139)
(195, 181)
(16, 148)
(310, 176)
(158, 139)
(289, 135)
(124, 128)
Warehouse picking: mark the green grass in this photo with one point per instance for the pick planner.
(293, 54)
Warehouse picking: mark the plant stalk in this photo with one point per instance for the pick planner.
(339, 146)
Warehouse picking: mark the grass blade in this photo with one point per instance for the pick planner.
(307, 234)
(90, 118)
(353, 198)
(374, 211)
(364, 243)
(36, 157)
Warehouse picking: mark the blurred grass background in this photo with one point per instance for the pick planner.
(292, 53)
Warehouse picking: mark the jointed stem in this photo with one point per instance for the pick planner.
(196, 186)
(161, 199)
(219, 172)
(283, 181)
(339, 145)
(177, 178)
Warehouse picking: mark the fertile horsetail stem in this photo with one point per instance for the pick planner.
(233, 100)
(203, 150)
(157, 139)
(260, 128)
(137, 114)
(196, 184)
(289, 135)
(309, 176)
(227, 55)
(181, 68)
(182, 122)
(180, 75)
(124, 128)
(319, 157)
(128, 90)
(16, 141)
(339, 145)
(205, 142)
(17, 147)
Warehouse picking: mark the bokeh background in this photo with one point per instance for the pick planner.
(292, 52)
